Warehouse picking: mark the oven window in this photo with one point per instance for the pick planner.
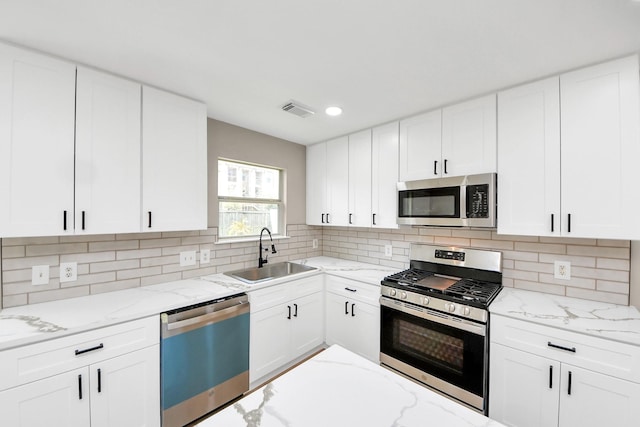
(430, 203)
(446, 352)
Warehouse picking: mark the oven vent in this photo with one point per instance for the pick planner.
(298, 109)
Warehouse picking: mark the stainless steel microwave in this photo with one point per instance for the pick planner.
(462, 201)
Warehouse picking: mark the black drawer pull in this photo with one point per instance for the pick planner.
(350, 290)
(559, 347)
(98, 347)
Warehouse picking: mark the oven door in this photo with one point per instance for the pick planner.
(442, 351)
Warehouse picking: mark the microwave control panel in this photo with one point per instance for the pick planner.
(478, 201)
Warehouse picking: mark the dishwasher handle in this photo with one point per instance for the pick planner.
(213, 317)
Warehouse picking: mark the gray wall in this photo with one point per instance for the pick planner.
(236, 143)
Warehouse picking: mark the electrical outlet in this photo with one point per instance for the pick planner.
(68, 272)
(314, 243)
(40, 275)
(388, 250)
(187, 258)
(562, 270)
(205, 256)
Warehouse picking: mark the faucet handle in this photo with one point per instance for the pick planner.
(273, 249)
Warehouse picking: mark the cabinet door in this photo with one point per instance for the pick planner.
(421, 146)
(469, 137)
(37, 107)
(529, 159)
(307, 326)
(270, 341)
(107, 154)
(174, 162)
(600, 147)
(384, 176)
(125, 390)
(316, 183)
(360, 179)
(338, 181)
(338, 325)
(365, 324)
(597, 400)
(61, 400)
(523, 388)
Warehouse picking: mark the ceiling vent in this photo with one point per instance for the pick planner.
(298, 109)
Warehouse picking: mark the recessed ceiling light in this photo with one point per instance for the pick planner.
(333, 111)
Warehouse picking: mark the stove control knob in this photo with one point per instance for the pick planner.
(403, 295)
(392, 292)
(466, 311)
(451, 308)
(425, 300)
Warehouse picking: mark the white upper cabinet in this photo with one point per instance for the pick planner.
(37, 105)
(316, 183)
(384, 176)
(469, 137)
(600, 150)
(360, 179)
(174, 162)
(529, 159)
(338, 181)
(420, 146)
(453, 141)
(107, 154)
(567, 154)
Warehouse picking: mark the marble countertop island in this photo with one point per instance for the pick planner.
(338, 388)
(38, 322)
(610, 321)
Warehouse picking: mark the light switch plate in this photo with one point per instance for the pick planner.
(388, 250)
(187, 258)
(40, 275)
(205, 256)
(68, 272)
(562, 270)
(314, 243)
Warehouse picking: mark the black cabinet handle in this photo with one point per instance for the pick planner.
(559, 347)
(64, 220)
(350, 290)
(568, 223)
(350, 215)
(374, 219)
(295, 313)
(328, 219)
(569, 388)
(550, 376)
(99, 381)
(346, 307)
(149, 219)
(353, 312)
(83, 215)
(552, 221)
(445, 166)
(323, 218)
(87, 350)
(435, 167)
(289, 315)
(80, 387)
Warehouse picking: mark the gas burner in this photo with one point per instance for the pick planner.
(474, 290)
(409, 276)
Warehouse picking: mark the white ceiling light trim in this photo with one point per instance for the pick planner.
(333, 111)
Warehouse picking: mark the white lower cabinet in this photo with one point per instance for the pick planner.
(352, 316)
(286, 323)
(108, 385)
(545, 386)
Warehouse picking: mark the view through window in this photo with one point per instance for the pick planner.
(249, 198)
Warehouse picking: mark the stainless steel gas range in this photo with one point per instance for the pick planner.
(434, 319)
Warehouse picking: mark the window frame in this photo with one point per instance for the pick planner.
(281, 203)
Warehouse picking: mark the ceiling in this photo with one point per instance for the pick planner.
(378, 60)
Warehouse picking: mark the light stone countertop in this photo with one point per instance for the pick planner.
(599, 319)
(39, 322)
(338, 388)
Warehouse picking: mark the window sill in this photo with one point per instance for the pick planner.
(226, 240)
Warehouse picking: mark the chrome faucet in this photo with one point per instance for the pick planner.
(261, 261)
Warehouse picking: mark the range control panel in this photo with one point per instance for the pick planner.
(453, 255)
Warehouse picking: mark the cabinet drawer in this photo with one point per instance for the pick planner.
(308, 286)
(262, 299)
(353, 290)
(597, 354)
(32, 362)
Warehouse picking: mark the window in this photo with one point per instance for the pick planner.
(255, 202)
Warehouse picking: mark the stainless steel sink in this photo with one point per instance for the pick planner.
(269, 271)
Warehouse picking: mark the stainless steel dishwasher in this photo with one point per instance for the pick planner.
(204, 356)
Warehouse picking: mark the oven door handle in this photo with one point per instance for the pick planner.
(444, 319)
